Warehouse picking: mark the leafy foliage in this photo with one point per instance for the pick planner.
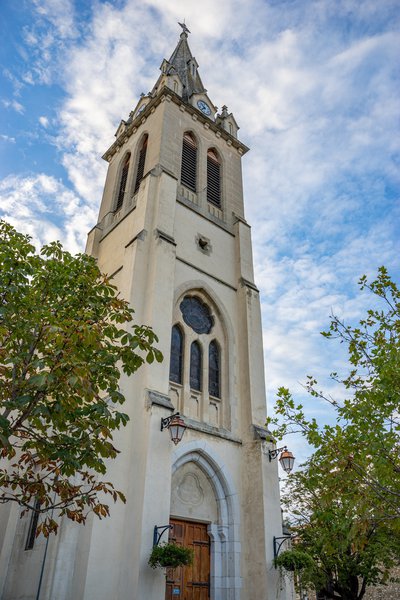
(170, 556)
(345, 501)
(294, 560)
(65, 336)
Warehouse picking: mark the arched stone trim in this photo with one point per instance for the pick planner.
(228, 351)
(224, 535)
(201, 285)
(218, 411)
(216, 156)
(141, 142)
(118, 180)
(191, 134)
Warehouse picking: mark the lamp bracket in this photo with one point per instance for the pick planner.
(272, 454)
(278, 543)
(159, 532)
(165, 422)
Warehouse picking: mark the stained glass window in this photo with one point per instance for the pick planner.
(214, 370)
(195, 366)
(196, 314)
(175, 367)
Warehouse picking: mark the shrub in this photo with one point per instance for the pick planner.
(293, 560)
(170, 556)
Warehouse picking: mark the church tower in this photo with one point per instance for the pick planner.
(173, 237)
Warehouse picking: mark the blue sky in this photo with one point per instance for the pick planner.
(314, 87)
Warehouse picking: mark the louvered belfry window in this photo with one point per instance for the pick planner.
(30, 541)
(140, 164)
(189, 162)
(195, 366)
(175, 366)
(214, 370)
(213, 178)
(122, 184)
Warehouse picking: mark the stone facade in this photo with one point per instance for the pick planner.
(391, 591)
(166, 242)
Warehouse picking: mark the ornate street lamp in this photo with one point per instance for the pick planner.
(176, 426)
(286, 458)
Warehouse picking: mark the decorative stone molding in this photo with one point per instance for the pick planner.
(165, 237)
(225, 534)
(263, 434)
(159, 400)
(210, 430)
(249, 284)
(139, 236)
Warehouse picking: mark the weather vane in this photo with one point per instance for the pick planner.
(184, 28)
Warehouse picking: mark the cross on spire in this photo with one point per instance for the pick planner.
(184, 27)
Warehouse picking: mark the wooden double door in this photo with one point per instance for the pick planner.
(193, 582)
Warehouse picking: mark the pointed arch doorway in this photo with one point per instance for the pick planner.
(203, 494)
(192, 582)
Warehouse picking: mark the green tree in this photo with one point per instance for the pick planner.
(345, 500)
(65, 336)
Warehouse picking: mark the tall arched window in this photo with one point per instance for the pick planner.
(214, 370)
(140, 163)
(213, 178)
(195, 366)
(189, 162)
(122, 183)
(175, 367)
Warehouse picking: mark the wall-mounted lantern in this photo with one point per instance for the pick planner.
(176, 426)
(286, 458)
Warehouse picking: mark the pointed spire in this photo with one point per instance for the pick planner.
(186, 65)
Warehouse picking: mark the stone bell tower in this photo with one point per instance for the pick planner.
(173, 236)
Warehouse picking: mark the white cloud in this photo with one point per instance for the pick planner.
(14, 105)
(60, 13)
(43, 207)
(313, 87)
(7, 138)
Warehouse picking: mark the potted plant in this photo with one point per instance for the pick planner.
(170, 556)
(294, 560)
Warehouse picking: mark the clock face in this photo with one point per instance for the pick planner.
(141, 109)
(204, 107)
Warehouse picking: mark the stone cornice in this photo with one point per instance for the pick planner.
(262, 433)
(163, 94)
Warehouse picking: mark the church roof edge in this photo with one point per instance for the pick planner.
(166, 92)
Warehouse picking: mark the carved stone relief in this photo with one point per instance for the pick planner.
(189, 489)
(192, 495)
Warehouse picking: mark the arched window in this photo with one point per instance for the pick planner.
(214, 370)
(33, 525)
(189, 162)
(195, 366)
(213, 178)
(140, 164)
(175, 366)
(123, 180)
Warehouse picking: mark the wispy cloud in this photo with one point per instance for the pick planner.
(43, 207)
(14, 105)
(313, 86)
(7, 138)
